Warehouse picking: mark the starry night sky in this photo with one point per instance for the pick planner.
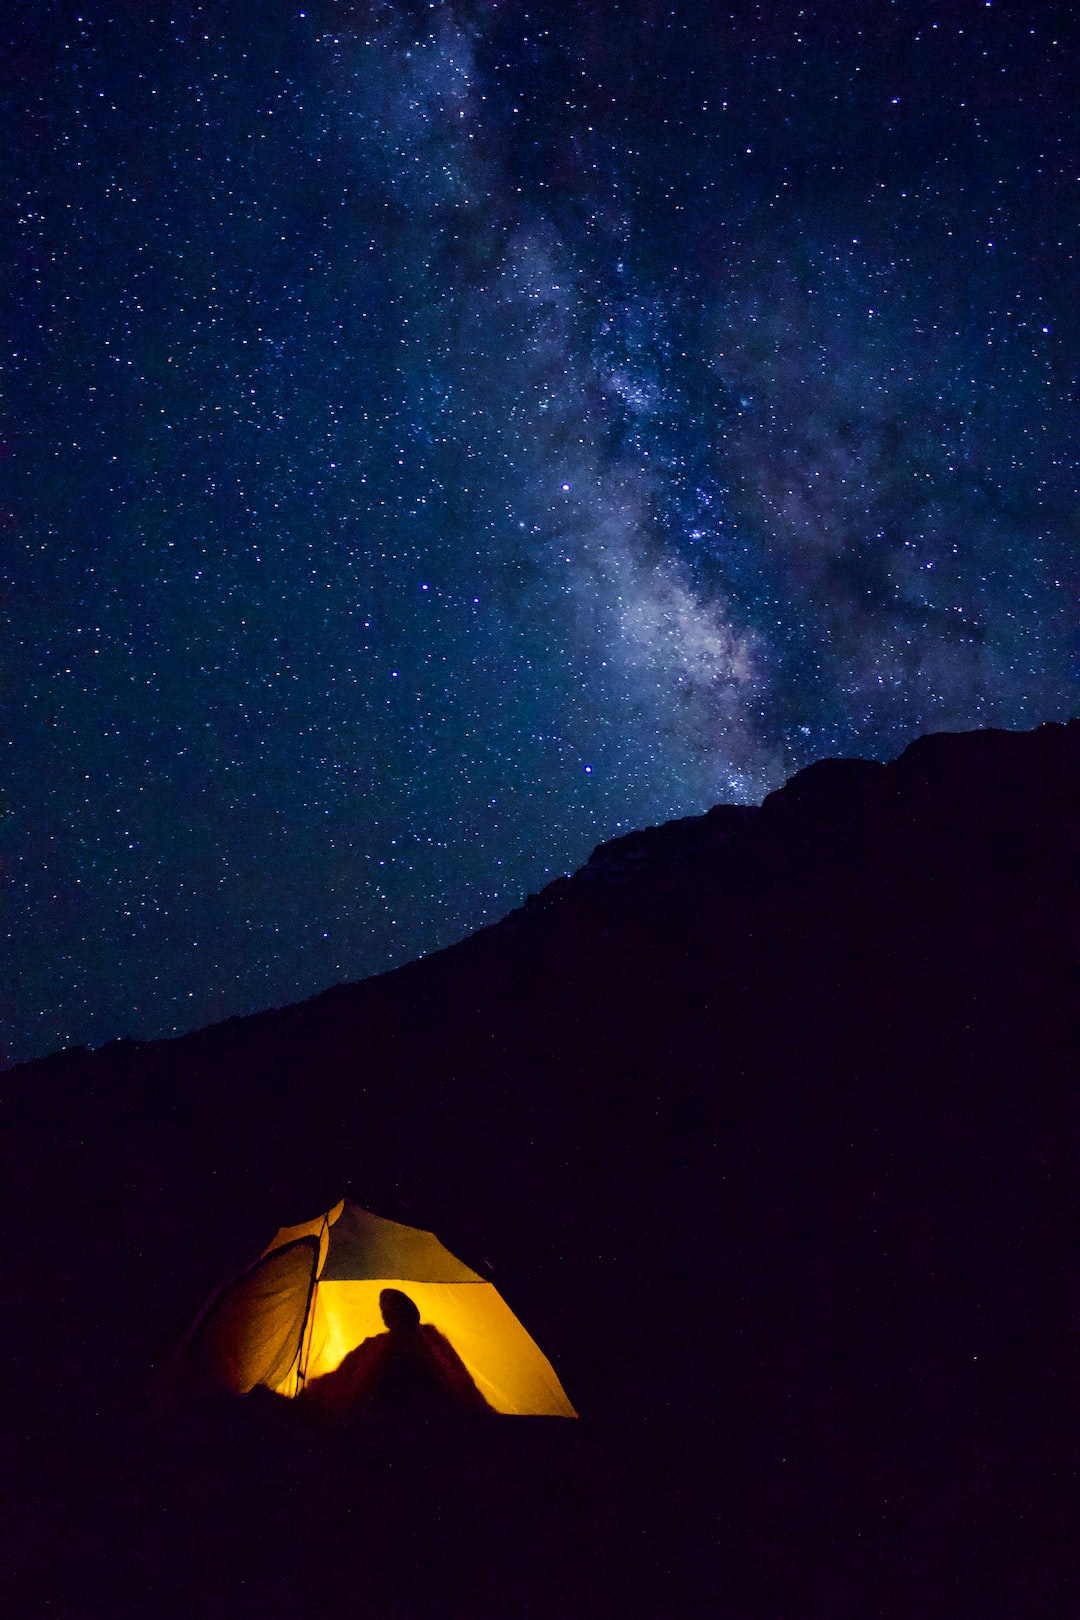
(442, 437)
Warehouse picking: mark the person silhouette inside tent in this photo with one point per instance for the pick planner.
(412, 1370)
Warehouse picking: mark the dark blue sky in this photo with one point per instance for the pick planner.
(441, 437)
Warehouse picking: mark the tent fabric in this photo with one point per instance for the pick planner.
(363, 1246)
(251, 1332)
(319, 1228)
(313, 1297)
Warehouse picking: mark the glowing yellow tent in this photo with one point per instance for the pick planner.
(313, 1296)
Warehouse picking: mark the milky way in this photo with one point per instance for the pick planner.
(443, 437)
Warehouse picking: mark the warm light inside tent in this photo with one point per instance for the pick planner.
(508, 1367)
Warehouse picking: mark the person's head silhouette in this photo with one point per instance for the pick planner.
(398, 1311)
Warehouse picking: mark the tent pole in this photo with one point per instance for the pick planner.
(305, 1340)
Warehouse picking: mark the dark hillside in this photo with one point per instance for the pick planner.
(766, 1124)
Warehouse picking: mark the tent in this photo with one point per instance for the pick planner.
(313, 1296)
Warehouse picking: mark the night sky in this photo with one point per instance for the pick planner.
(442, 437)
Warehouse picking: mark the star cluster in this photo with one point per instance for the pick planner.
(443, 436)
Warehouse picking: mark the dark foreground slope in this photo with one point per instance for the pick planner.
(765, 1122)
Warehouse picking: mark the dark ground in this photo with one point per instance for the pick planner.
(232, 1516)
(765, 1123)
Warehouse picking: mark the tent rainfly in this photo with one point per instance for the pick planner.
(313, 1296)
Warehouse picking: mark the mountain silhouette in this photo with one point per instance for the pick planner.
(766, 1124)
